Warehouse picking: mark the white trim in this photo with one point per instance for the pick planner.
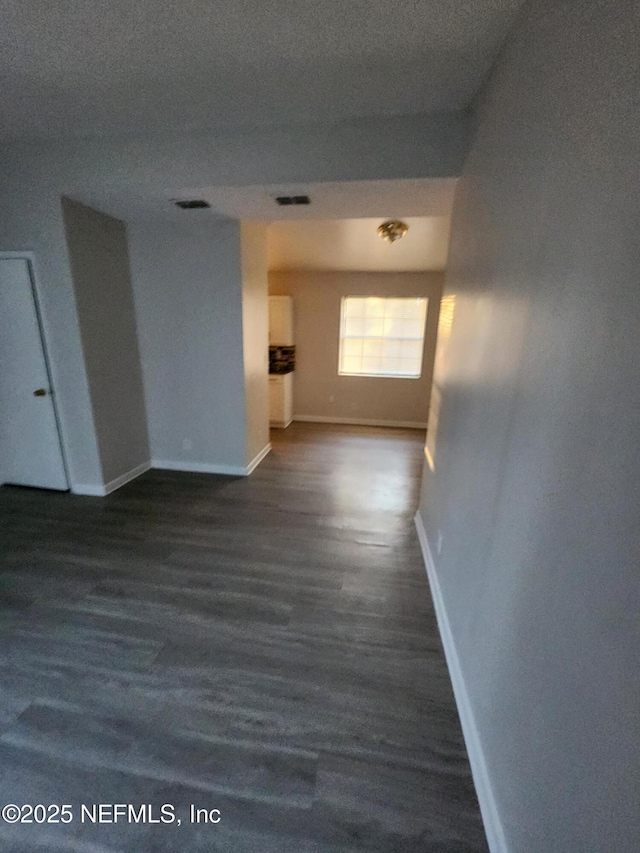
(94, 490)
(112, 485)
(488, 807)
(103, 489)
(257, 459)
(280, 424)
(321, 419)
(199, 467)
(211, 468)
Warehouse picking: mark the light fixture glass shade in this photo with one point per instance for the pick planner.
(392, 230)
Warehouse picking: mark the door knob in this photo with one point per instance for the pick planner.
(40, 392)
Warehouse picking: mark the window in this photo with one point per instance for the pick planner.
(382, 336)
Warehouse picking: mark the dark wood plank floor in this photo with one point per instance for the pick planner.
(264, 646)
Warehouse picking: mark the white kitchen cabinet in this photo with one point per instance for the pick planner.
(281, 321)
(281, 399)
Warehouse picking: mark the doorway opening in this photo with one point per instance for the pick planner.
(363, 318)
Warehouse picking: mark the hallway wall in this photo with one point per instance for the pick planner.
(536, 485)
(189, 307)
(99, 260)
(255, 336)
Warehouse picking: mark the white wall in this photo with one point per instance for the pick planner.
(255, 336)
(536, 486)
(135, 178)
(188, 299)
(104, 298)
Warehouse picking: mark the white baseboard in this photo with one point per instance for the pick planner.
(100, 490)
(211, 468)
(126, 478)
(94, 490)
(320, 419)
(257, 459)
(488, 807)
(279, 424)
(199, 467)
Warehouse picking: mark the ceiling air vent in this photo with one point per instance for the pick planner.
(293, 199)
(193, 204)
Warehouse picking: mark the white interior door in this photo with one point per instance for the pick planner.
(30, 451)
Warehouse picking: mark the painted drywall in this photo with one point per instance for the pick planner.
(318, 389)
(188, 299)
(102, 285)
(333, 200)
(536, 485)
(354, 245)
(137, 177)
(255, 336)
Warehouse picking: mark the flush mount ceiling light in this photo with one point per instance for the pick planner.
(392, 230)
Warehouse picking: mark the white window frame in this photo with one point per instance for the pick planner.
(342, 337)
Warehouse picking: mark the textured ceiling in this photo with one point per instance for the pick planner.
(102, 67)
(347, 200)
(354, 245)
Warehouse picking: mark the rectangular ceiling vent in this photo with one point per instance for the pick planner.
(193, 204)
(293, 199)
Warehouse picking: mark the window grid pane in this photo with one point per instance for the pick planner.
(382, 336)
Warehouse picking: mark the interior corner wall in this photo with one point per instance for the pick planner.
(319, 392)
(255, 336)
(532, 507)
(188, 296)
(102, 284)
